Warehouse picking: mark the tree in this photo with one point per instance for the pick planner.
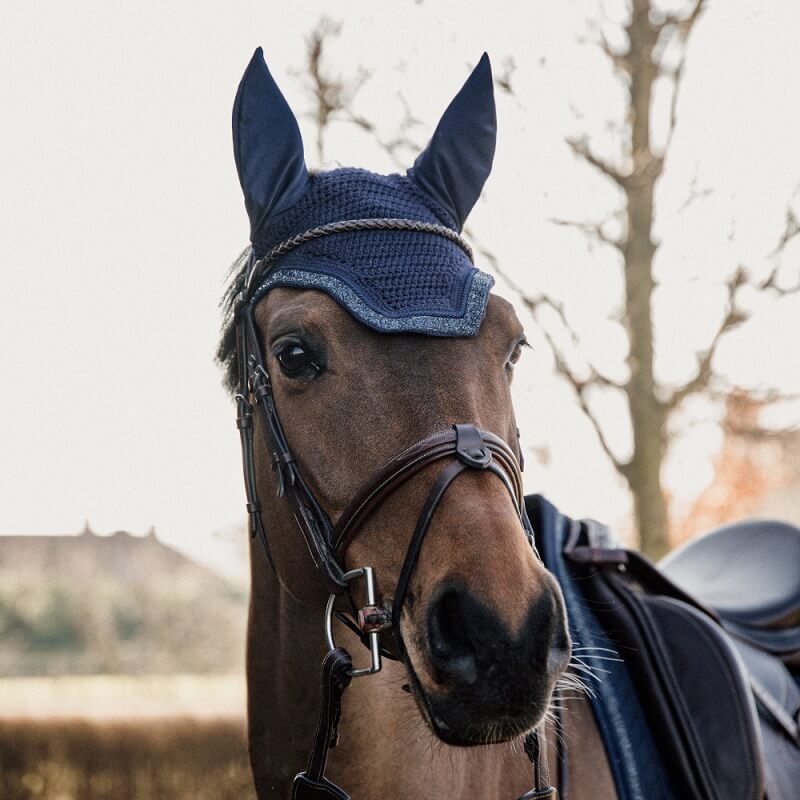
(656, 49)
(636, 173)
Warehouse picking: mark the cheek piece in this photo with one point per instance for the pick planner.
(462, 447)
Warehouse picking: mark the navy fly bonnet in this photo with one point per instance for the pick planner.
(417, 277)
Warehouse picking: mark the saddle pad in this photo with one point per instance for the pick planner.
(690, 704)
(630, 748)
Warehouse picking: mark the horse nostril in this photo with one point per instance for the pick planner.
(451, 646)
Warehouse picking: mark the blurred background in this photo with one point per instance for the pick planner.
(642, 215)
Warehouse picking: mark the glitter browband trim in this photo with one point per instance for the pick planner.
(347, 226)
(464, 324)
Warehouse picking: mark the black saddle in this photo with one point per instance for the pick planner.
(749, 573)
(700, 639)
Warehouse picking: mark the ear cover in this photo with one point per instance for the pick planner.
(456, 163)
(267, 147)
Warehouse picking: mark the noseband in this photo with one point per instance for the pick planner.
(463, 447)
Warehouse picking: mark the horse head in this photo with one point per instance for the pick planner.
(372, 341)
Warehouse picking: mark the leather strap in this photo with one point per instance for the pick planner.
(408, 463)
(561, 747)
(537, 753)
(472, 452)
(548, 793)
(309, 516)
(438, 489)
(312, 784)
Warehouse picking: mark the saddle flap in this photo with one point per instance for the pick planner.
(699, 705)
(778, 700)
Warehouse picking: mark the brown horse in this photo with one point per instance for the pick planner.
(483, 622)
(383, 392)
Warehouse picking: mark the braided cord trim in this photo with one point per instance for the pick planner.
(348, 226)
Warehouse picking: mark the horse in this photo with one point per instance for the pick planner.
(479, 598)
(390, 541)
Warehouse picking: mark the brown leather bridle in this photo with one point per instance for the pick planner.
(464, 447)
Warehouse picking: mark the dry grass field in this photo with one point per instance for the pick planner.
(150, 759)
(122, 738)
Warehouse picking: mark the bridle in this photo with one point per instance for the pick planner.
(464, 447)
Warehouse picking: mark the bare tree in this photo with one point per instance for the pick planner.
(636, 172)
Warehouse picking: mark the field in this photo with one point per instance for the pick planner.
(118, 738)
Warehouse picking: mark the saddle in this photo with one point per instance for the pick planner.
(707, 642)
(749, 573)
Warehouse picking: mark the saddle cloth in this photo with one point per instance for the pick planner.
(689, 710)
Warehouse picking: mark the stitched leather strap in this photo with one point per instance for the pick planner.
(312, 784)
(411, 461)
(473, 449)
(412, 554)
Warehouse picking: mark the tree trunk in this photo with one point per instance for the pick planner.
(648, 415)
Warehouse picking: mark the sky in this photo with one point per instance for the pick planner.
(121, 212)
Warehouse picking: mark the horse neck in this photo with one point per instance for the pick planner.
(385, 747)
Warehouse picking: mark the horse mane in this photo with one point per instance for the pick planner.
(226, 348)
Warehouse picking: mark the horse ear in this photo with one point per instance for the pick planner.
(457, 161)
(267, 146)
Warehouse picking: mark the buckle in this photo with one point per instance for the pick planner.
(259, 381)
(372, 629)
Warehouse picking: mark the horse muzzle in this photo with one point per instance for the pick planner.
(482, 683)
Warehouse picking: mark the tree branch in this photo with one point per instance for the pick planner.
(396, 144)
(770, 283)
(582, 388)
(581, 149)
(619, 61)
(503, 79)
(734, 316)
(684, 24)
(592, 230)
(581, 385)
(791, 228)
(695, 193)
(332, 95)
(683, 27)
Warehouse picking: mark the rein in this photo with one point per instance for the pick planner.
(464, 446)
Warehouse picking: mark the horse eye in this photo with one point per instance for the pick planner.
(516, 353)
(295, 361)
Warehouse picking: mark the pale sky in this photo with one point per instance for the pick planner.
(121, 212)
